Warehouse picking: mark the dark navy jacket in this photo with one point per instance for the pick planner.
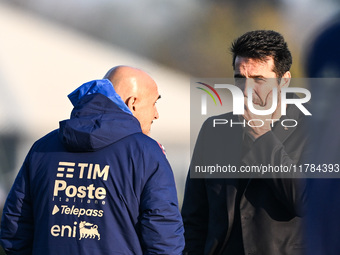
(97, 185)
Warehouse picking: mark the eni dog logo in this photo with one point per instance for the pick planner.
(88, 230)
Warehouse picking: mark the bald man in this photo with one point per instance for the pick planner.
(98, 184)
(139, 92)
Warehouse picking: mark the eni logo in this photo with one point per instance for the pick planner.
(87, 230)
(204, 97)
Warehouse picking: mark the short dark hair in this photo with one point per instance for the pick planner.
(260, 44)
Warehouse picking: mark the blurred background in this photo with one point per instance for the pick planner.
(49, 47)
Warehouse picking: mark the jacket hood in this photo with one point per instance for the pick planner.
(98, 119)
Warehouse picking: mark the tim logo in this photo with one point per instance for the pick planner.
(238, 99)
(88, 230)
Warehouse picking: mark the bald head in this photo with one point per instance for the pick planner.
(125, 80)
(139, 92)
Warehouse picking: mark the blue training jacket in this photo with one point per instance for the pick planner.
(97, 185)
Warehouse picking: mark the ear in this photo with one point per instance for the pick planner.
(285, 80)
(131, 103)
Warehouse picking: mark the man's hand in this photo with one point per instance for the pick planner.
(258, 125)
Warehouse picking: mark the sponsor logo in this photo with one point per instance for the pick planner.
(70, 189)
(86, 230)
(66, 210)
(64, 230)
(55, 210)
(90, 193)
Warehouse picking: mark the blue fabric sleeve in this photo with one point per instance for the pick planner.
(161, 225)
(17, 225)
